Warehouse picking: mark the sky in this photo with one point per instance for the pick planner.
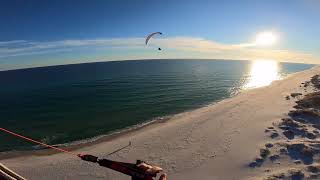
(41, 32)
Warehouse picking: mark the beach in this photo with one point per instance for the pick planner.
(219, 141)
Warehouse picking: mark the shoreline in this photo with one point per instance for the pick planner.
(70, 140)
(75, 145)
(113, 135)
(202, 142)
(78, 144)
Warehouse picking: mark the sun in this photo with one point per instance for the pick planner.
(266, 39)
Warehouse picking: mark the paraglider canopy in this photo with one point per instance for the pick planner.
(151, 35)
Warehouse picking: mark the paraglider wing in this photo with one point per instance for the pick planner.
(150, 36)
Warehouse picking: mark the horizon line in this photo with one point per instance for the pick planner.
(125, 60)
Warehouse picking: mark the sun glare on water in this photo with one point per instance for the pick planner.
(262, 73)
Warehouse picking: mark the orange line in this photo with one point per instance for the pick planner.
(36, 142)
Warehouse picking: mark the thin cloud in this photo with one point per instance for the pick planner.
(36, 52)
(5, 43)
(20, 48)
(200, 46)
(247, 51)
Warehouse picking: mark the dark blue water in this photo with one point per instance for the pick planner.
(61, 104)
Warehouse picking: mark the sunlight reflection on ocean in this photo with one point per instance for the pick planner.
(262, 73)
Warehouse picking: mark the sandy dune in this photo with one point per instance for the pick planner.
(215, 142)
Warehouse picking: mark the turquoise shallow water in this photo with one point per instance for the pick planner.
(61, 104)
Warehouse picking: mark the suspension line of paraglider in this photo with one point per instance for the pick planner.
(37, 142)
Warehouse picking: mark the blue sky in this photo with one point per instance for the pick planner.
(42, 32)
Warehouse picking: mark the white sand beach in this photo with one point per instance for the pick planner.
(214, 142)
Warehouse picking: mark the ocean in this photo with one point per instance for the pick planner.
(67, 103)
